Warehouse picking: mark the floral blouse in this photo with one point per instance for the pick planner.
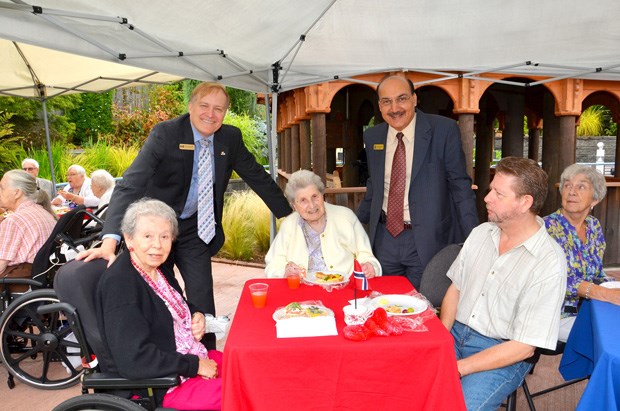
(584, 261)
(313, 241)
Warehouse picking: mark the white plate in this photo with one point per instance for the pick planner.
(403, 301)
(280, 312)
(311, 278)
(611, 284)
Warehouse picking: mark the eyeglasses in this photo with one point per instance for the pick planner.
(402, 99)
(72, 175)
(29, 168)
(580, 187)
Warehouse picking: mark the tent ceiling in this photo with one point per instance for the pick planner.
(237, 41)
(27, 71)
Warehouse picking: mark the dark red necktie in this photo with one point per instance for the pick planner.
(396, 197)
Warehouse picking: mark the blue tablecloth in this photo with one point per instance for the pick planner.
(593, 348)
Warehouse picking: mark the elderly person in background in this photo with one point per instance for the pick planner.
(581, 236)
(28, 225)
(78, 191)
(31, 166)
(102, 185)
(146, 323)
(318, 236)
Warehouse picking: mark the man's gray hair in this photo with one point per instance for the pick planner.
(148, 207)
(102, 179)
(30, 160)
(77, 168)
(302, 179)
(595, 178)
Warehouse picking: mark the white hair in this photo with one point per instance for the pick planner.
(30, 160)
(103, 179)
(77, 168)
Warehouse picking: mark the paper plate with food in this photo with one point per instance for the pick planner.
(328, 278)
(400, 304)
(611, 284)
(306, 309)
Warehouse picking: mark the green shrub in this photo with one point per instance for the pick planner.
(92, 116)
(132, 125)
(254, 134)
(591, 121)
(11, 151)
(240, 244)
(246, 221)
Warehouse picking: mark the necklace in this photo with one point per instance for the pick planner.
(170, 297)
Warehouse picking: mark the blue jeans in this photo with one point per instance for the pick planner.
(485, 390)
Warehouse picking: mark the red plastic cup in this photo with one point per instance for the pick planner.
(258, 292)
(293, 280)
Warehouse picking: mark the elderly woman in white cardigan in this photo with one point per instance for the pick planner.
(318, 236)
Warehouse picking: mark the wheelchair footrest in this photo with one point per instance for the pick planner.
(114, 381)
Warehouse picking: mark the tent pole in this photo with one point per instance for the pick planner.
(49, 147)
(272, 168)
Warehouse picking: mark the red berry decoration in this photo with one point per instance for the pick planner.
(355, 332)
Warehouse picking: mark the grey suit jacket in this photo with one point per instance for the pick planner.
(441, 202)
(163, 170)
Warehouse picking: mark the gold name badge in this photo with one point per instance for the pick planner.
(186, 147)
(378, 147)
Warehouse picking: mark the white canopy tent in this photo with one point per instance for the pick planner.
(239, 42)
(270, 46)
(40, 74)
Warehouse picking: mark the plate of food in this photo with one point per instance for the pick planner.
(611, 284)
(326, 278)
(301, 310)
(399, 304)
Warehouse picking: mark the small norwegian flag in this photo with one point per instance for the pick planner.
(361, 282)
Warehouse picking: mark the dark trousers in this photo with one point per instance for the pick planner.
(398, 255)
(193, 259)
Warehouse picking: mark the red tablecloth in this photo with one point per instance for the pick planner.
(415, 371)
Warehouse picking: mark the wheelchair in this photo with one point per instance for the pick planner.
(39, 349)
(102, 389)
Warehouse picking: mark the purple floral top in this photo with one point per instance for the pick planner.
(584, 261)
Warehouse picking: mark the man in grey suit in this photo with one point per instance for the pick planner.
(167, 169)
(434, 202)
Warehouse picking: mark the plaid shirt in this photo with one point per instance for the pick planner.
(23, 233)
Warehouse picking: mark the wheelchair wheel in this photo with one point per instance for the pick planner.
(98, 402)
(37, 349)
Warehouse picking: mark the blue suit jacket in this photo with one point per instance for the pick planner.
(441, 202)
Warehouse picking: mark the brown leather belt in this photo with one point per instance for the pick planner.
(383, 219)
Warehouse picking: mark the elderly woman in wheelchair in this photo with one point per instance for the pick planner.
(27, 226)
(149, 329)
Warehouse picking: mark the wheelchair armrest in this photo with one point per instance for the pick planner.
(21, 281)
(109, 381)
(50, 308)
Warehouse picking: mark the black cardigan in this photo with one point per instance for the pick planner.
(137, 326)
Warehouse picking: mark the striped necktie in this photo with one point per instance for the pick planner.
(206, 215)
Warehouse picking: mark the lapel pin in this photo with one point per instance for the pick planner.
(378, 147)
(222, 153)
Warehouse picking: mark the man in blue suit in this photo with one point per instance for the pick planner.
(419, 157)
